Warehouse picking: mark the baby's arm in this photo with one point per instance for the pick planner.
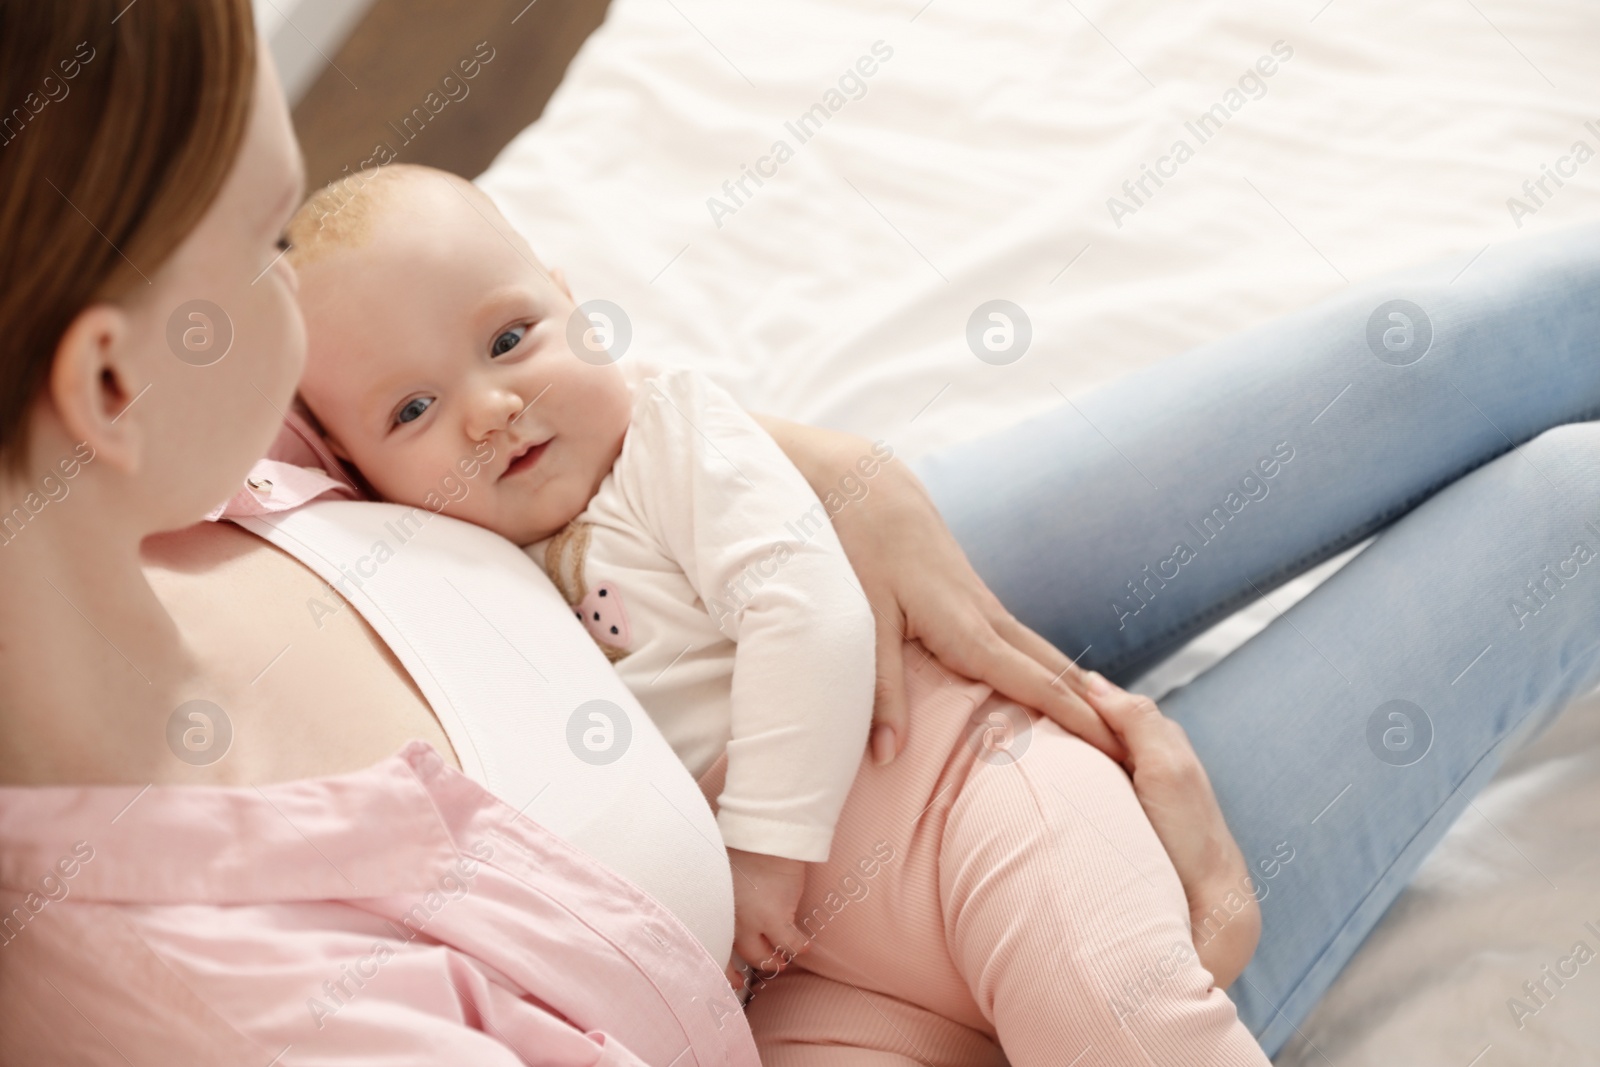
(760, 550)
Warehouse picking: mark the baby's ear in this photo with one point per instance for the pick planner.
(559, 276)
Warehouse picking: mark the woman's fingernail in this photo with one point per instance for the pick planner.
(882, 744)
(1098, 684)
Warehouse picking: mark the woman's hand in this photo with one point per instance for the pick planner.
(922, 588)
(1225, 920)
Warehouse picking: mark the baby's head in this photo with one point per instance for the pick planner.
(437, 355)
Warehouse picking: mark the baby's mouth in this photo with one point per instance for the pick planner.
(526, 458)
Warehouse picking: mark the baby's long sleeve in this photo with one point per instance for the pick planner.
(759, 549)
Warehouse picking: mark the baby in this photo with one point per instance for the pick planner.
(690, 547)
(989, 908)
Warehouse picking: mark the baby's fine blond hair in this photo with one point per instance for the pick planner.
(343, 213)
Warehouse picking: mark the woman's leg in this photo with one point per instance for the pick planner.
(1124, 524)
(1346, 738)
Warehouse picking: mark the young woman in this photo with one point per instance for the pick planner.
(155, 168)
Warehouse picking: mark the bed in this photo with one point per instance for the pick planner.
(937, 154)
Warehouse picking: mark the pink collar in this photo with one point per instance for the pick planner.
(299, 467)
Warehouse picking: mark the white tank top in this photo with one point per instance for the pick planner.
(534, 711)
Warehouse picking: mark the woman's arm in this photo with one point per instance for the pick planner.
(922, 588)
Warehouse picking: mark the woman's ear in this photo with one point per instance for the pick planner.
(93, 383)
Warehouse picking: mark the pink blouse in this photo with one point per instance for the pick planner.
(397, 915)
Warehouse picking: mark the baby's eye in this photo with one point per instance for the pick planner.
(413, 409)
(508, 340)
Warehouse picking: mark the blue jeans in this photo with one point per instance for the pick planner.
(1434, 406)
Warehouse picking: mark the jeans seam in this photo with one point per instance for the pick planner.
(1197, 622)
(1201, 620)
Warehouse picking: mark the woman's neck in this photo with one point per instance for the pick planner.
(90, 661)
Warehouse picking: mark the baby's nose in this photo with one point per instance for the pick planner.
(496, 410)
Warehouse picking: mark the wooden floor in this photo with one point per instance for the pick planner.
(398, 85)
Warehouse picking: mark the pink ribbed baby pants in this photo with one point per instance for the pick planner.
(981, 898)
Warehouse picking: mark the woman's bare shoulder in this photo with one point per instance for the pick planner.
(251, 611)
(205, 546)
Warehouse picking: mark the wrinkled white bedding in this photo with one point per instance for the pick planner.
(970, 156)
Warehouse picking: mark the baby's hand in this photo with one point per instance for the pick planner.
(766, 895)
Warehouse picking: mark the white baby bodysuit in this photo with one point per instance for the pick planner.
(704, 521)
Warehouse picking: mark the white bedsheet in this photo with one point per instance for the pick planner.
(977, 164)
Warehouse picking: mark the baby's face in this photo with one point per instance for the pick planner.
(438, 364)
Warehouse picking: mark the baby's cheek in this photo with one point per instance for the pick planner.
(416, 484)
